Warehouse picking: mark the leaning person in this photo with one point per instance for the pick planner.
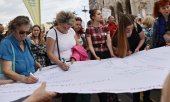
(24, 61)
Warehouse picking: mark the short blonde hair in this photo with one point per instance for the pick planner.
(148, 21)
(166, 90)
(65, 17)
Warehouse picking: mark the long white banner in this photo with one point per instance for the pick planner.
(141, 71)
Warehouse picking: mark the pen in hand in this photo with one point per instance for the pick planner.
(63, 60)
(33, 76)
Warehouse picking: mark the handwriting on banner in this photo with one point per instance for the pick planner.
(116, 75)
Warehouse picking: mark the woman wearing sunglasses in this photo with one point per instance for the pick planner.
(17, 46)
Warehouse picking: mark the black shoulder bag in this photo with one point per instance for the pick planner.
(57, 45)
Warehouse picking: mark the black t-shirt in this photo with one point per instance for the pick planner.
(134, 39)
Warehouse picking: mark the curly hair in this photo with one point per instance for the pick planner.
(65, 17)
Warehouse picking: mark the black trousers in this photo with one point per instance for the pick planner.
(108, 97)
(69, 97)
(146, 97)
(74, 97)
(102, 55)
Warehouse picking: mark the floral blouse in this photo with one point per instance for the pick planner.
(39, 53)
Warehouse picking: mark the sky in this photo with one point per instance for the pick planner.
(9, 9)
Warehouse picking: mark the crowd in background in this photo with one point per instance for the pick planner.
(67, 41)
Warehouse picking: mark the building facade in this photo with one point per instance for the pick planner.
(135, 7)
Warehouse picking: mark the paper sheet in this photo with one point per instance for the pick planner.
(139, 72)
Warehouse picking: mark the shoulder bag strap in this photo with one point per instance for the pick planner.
(58, 50)
(13, 61)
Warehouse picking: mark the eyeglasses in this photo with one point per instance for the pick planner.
(23, 32)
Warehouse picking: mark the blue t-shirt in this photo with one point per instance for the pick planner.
(24, 61)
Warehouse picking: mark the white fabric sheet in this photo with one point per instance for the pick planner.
(141, 71)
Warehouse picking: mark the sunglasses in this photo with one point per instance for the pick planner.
(23, 32)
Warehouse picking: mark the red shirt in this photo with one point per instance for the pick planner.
(112, 28)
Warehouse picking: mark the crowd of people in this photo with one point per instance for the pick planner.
(25, 48)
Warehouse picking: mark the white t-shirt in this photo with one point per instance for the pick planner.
(65, 42)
